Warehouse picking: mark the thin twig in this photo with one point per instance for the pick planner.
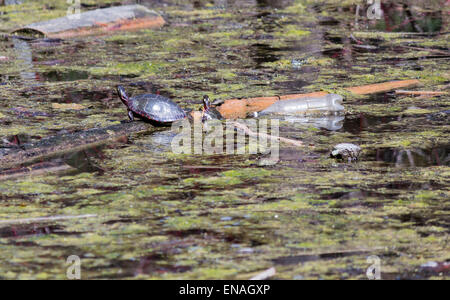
(263, 135)
(419, 93)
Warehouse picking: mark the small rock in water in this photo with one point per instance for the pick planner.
(346, 151)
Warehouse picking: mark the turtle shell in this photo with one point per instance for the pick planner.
(156, 108)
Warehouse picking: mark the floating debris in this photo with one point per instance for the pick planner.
(119, 18)
(67, 106)
(331, 103)
(240, 108)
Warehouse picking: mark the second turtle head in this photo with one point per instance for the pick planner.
(122, 94)
(206, 102)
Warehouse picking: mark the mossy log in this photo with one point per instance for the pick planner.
(64, 143)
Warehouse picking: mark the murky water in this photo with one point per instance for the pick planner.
(162, 215)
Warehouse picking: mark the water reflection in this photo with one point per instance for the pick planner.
(274, 3)
(83, 160)
(158, 142)
(69, 75)
(414, 157)
(332, 123)
(263, 53)
(24, 59)
(364, 122)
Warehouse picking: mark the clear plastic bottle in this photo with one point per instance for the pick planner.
(331, 103)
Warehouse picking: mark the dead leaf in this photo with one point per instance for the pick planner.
(67, 106)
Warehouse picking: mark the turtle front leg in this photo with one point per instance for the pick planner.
(130, 115)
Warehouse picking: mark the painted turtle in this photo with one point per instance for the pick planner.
(151, 107)
(210, 113)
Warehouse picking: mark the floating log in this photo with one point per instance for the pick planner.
(118, 18)
(240, 108)
(66, 143)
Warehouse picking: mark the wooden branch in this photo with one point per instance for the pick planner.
(65, 143)
(382, 87)
(240, 108)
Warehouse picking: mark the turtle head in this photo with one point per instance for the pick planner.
(206, 102)
(122, 95)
